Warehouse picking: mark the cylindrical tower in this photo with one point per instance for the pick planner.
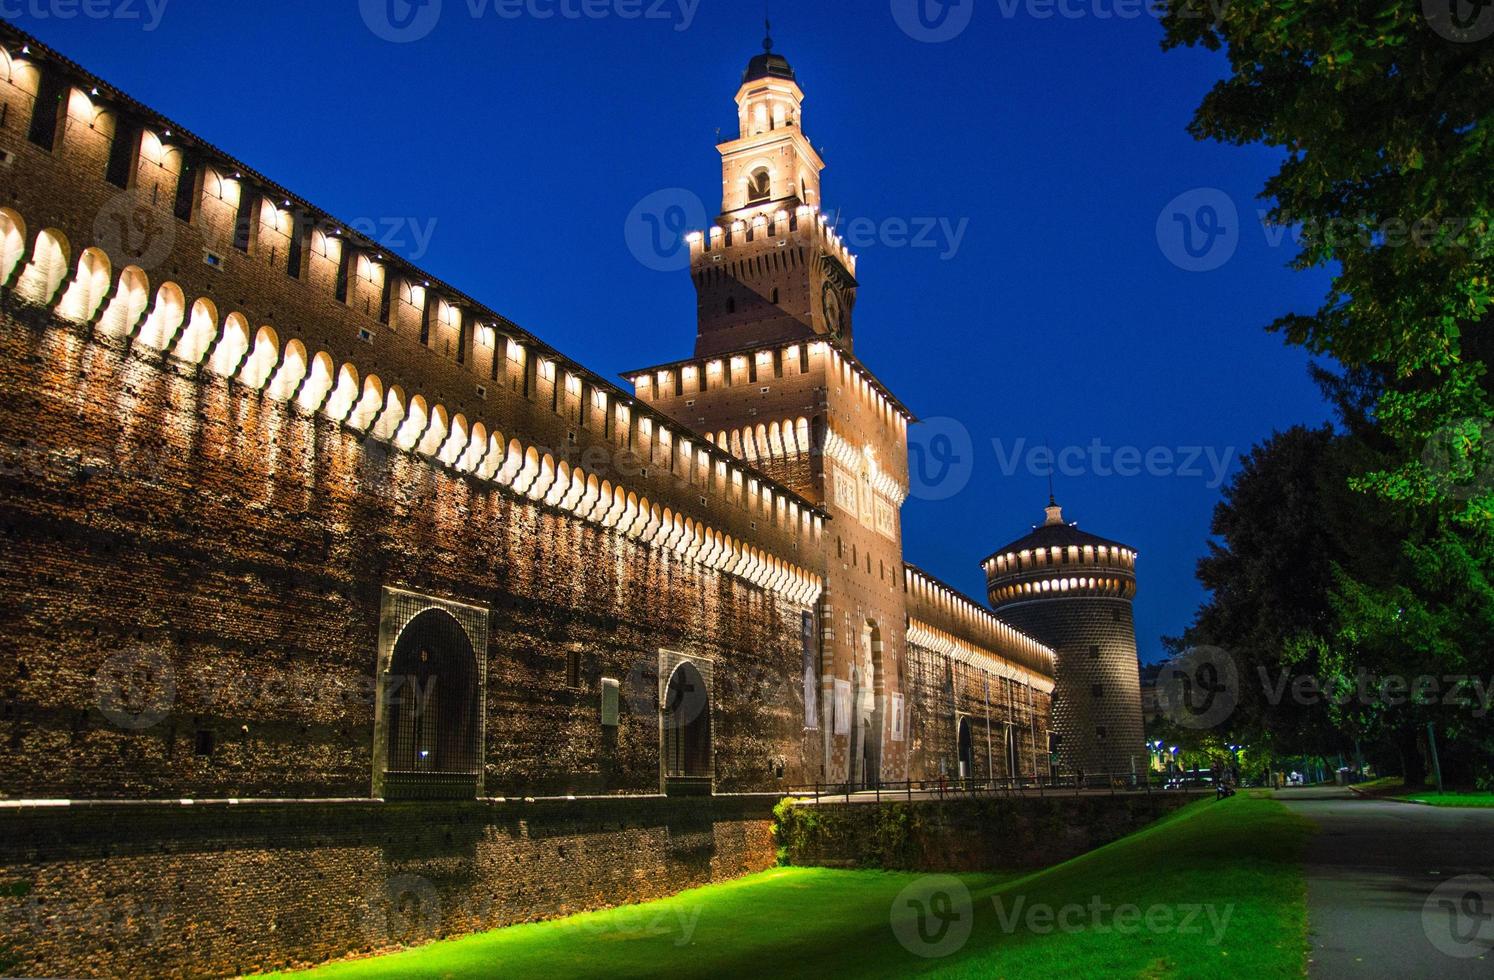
(1072, 591)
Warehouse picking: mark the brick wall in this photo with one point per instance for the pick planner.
(159, 890)
(185, 525)
(969, 834)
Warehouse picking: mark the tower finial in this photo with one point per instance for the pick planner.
(768, 41)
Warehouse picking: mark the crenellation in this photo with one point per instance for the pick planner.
(724, 249)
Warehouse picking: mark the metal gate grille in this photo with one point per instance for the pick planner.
(431, 700)
(686, 720)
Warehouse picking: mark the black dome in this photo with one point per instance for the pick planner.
(1057, 534)
(769, 64)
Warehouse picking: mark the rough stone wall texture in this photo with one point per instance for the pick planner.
(190, 526)
(219, 890)
(967, 834)
(943, 691)
(1096, 677)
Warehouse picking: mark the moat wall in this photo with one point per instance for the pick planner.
(174, 890)
(966, 834)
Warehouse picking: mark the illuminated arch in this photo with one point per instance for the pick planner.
(417, 419)
(319, 384)
(560, 488)
(44, 274)
(436, 431)
(544, 478)
(577, 491)
(129, 303)
(392, 415)
(232, 347)
(199, 334)
(12, 243)
(291, 372)
(759, 183)
(528, 473)
(90, 286)
(493, 461)
(160, 328)
(263, 359)
(370, 402)
(513, 462)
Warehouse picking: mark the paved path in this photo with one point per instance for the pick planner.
(1373, 876)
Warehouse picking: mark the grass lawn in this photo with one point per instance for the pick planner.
(1215, 890)
(1435, 798)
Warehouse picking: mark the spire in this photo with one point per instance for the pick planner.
(768, 41)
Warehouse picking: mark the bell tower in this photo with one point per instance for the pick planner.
(774, 382)
(770, 269)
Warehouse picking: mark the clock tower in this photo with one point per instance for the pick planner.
(772, 270)
(774, 382)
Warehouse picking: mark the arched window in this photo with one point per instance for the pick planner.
(687, 733)
(759, 186)
(432, 712)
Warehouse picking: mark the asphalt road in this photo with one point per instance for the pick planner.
(1387, 888)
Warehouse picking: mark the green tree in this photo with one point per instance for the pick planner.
(1382, 113)
(1384, 126)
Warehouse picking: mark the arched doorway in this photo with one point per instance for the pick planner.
(869, 682)
(432, 712)
(687, 762)
(967, 750)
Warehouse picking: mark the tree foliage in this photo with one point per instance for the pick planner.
(1367, 552)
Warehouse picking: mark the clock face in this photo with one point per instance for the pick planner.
(833, 308)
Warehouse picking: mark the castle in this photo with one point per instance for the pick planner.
(288, 518)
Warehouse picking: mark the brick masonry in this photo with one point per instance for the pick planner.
(969, 834)
(161, 890)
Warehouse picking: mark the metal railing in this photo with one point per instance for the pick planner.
(1113, 784)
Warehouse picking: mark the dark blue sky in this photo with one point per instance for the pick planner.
(521, 144)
